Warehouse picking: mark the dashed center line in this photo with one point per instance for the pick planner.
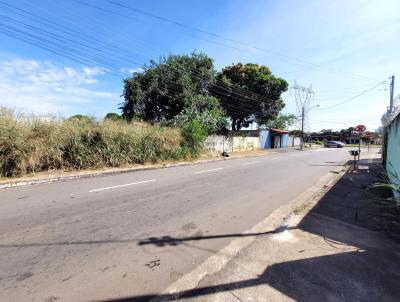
(124, 185)
(205, 171)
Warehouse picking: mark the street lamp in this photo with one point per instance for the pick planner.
(302, 124)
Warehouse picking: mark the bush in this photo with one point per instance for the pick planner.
(80, 143)
(112, 116)
(206, 110)
(194, 135)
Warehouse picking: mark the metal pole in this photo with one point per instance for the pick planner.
(391, 94)
(302, 128)
(359, 147)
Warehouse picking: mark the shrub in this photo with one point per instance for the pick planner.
(80, 143)
(194, 135)
(112, 116)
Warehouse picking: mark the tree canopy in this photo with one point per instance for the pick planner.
(281, 121)
(165, 88)
(180, 88)
(253, 94)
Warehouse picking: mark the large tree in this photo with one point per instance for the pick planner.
(163, 90)
(249, 93)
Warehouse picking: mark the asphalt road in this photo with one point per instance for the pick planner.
(88, 239)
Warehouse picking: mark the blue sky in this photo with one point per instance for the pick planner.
(341, 48)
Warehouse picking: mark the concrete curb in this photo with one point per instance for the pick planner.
(218, 261)
(22, 183)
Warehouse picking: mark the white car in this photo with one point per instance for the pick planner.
(334, 144)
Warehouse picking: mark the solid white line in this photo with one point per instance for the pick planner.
(250, 163)
(205, 171)
(124, 185)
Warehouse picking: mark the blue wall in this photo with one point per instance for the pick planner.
(285, 140)
(266, 137)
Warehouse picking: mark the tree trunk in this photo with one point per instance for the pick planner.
(233, 126)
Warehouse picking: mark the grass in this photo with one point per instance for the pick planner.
(32, 145)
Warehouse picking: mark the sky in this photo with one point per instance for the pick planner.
(345, 51)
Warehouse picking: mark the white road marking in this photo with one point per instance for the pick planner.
(250, 163)
(205, 171)
(124, 185)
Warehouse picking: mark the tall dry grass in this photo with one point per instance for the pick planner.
(32, 145)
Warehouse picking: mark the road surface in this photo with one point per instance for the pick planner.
(113, 236)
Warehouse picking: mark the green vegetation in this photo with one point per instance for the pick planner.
(391, 182)
(169, 109)
(194, 135)
(80, 143)
(261, 102)
(281, 121)
(81, 117)
(186, 87)
(112, 116)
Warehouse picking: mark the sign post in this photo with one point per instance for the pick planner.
(360, 129)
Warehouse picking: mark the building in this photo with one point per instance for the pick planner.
(274, 138)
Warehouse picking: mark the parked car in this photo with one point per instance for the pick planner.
(334, 144)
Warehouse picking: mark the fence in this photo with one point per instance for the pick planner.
(220, 143)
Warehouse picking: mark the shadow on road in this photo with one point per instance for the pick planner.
(331, 164)
(168, 240)
(156, 241)
(312, 279)
(368, 272)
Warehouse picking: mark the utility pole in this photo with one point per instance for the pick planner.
(302, 129)
(391, 94)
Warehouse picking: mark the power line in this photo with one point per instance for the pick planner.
(224, 87)
(333, 122)
(247, 45)
(234, 88)
(343, 88)
(354, 97)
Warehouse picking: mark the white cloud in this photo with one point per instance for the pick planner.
(44, 87)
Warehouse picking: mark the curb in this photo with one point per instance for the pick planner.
(23, 183)
(217, 262)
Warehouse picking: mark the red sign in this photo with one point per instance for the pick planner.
(360, 128)
(370, 135)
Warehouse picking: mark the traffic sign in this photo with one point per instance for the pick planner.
(370, 135)
(360, 128)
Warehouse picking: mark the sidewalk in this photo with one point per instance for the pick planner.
(339, 248)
